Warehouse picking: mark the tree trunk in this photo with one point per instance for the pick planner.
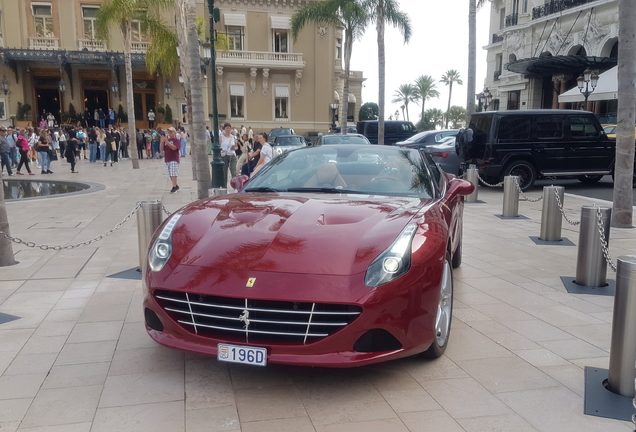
(204, 177)
(450, 94)
(381, 70)
(472, 60)
(344, 108)
(624, 166)
(130, 100)
(408, 118)
(6, 248)
(181, 25)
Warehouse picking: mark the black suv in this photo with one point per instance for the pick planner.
(537, 143)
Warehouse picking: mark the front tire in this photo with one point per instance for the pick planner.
(526, 172)
(444, 313)
(590, 179)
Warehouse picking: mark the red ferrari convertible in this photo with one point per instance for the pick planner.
(331, 256)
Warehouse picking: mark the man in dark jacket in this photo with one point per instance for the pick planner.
(5, 148)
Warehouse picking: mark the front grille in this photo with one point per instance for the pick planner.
(248, 320)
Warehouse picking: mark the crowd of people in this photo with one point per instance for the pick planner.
(243, 151)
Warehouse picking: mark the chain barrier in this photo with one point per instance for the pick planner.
(560, 204)
(526, 197)
(488, 184)
(76, 245)
(165, 210)
(604, 245)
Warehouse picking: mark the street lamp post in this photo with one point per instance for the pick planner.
(217, 163)
(485, 98)
(587, 80)
(334, 108)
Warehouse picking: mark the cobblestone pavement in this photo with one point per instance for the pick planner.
(79, 360)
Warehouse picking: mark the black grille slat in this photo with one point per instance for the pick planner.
(275, 321)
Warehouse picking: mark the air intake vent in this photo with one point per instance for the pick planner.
(247, 320)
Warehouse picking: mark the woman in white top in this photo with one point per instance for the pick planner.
(267, 153)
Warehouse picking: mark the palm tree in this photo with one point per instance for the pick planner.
(622, 213)
(382, 12)
(339, 13)
(425, 88)
(451, 76)
(405, 94)
(435, 116)
(121, 13)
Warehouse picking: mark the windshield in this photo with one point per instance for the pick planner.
(368, 170)
(289, 141)
(345, 139)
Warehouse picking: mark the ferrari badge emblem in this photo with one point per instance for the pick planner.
(250, 282)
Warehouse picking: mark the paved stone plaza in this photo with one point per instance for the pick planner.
(79, 359)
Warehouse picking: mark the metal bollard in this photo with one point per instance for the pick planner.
(471, 176)
(623, 348)
(551, 219)
(510, 198)
(219, 191)
(149, 217)
(591, 267)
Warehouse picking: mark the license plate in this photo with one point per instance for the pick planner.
(242, 354)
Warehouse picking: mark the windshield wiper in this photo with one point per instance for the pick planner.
(324, 190)
(262, 189)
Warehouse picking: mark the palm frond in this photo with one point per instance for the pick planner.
(316, 13)
(398, 19)
(163, 48)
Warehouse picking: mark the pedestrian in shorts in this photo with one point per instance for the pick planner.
(170, 146)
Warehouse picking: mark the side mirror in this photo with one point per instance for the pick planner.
(459, 186)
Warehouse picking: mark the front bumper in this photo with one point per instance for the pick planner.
(405, 308)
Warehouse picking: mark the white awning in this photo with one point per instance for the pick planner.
(282, 92)
(606, 89)
(280, 21)
(235, 19)
(237, 90)
(352, 98)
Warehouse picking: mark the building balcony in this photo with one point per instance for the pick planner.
(556, 7)
(496, 38)
(139, 47)
(43, 43)
(91, 45)
(512, 20)
(260, 59)
(282, 119)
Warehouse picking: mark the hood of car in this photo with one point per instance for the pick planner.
(313, 234)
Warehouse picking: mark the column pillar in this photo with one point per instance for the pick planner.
(556, 85)
(563, 90)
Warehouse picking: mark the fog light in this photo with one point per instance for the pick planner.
(391, 264)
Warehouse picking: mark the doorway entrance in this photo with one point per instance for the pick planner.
(95, 96)
(145, 100)
(47, 96)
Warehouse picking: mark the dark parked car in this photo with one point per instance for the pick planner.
(323, 259)
(423, 139)
(276, 132)
(310, 137)
(285, 143)
(538, 143)
(394, 130)
(341, 139)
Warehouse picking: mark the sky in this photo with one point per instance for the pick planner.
(439, 42)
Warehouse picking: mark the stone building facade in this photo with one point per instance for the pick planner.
(538, 49)
(51, 58)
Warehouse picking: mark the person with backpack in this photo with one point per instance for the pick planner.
(71, 147)
(23, 147)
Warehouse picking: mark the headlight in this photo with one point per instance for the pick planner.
(162, 249)
(393, 262)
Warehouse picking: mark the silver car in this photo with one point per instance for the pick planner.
(286, 143)
(444, 155)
